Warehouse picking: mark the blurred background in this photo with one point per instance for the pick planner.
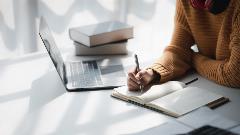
(19, 20)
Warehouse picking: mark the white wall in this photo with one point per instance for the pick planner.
(152, 20)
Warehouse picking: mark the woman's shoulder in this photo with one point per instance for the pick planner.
(183, 2)
(236, 7)
(235, 4)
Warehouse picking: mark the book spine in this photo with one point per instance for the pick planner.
(145, 106)
(113, 36)
(78, 37)
(111, 49)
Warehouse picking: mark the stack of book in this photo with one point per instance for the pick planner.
(102, 38)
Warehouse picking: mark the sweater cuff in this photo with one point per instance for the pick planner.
(162, 71)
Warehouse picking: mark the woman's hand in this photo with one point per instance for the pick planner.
(135, 79)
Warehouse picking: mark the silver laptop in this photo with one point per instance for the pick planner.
(81, 75)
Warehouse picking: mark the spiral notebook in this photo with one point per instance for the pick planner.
(173, 98)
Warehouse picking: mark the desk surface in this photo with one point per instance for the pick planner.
(34, 101)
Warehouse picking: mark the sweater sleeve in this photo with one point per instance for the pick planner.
(225, 72)
(176, 58)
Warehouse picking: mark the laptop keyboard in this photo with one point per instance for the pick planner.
(85, 74)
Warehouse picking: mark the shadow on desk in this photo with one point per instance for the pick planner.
(40, 94)
(71, 113)
(44, 91)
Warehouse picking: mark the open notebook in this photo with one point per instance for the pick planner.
(172, 98)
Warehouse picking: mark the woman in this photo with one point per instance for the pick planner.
(214, 26)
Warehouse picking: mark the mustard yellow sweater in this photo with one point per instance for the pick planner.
(217, 38)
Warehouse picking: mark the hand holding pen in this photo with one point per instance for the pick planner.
(138, 78)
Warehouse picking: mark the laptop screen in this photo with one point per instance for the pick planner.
(52, 49)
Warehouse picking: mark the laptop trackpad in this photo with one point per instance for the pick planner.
(113, 75)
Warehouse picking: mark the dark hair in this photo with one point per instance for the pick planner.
(213, 6)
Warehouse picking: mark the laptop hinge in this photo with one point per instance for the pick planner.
(64, 74)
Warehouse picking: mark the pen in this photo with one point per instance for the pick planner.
(138, 69)
(187, 83)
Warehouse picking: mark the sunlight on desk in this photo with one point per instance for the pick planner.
(89, 110)
(14, 112)
(142, 122)
(53, 115)
(21, 74)
(21, 93)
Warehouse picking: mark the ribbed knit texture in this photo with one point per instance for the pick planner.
(217, 38)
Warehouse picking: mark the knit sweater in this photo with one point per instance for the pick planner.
(217, 38)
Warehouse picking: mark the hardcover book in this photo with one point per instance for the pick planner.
(116, 48)
(101, 33)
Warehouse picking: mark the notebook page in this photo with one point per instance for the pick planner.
(124, 93)
(185, 100)
(161, 90)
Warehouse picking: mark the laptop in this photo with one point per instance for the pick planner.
(82, 75)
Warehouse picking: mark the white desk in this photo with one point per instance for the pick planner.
(34, 101)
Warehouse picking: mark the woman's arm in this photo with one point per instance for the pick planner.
(225, 72)
(176, 59)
